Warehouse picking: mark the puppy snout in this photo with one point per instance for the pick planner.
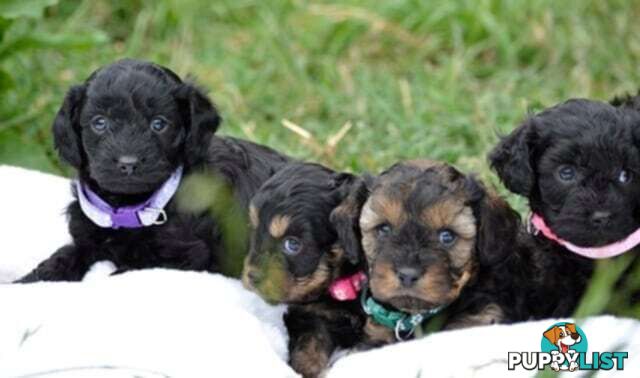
(127, 164)
(575, 336)
(408, 276)
(600, 218)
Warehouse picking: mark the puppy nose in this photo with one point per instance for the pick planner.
(127, 164)
(600, 218)
(575, 336)
(408, 276)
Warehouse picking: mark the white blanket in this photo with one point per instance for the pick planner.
(159, 323)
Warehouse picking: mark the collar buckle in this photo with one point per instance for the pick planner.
(162, 216)
(399, 328)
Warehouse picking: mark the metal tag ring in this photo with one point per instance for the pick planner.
(162, 217)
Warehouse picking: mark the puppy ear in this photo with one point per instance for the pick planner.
(66, 131)
(572, 327)
(341, 183)
(498, 224)
(345, 218)
(201, 119)
(511, 159)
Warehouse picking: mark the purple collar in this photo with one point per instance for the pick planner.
(150, 212)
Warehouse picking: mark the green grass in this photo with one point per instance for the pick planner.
(414, 78)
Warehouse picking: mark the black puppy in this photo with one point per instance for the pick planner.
(132, 131)
(578, 165)
(295, 256)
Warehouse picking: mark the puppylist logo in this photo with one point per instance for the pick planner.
(564, 348)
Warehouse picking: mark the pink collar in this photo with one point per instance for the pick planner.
(347, 288)
(609, 250)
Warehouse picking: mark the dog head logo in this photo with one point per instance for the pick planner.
(563, 347)
(564, 341)
(563, 336)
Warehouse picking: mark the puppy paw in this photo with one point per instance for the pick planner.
(310, 357)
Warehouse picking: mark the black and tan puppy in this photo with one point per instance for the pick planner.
(132, 131)
(435, 241)
(295, 256)
(578, 165)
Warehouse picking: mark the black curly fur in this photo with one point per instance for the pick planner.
(597, 141)
(128, 95)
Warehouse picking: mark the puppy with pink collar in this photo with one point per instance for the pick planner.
(578, 165)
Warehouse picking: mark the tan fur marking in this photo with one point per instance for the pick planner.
(368, 217)
(336, 255)
(368, 221)
(451, 213)
(245, 274)
(423, 164)
(279, 225)
(375, 333)
(253, 216)
(309, 358)
(435, 285)
(383, 281)
(389, 209)
(490, 314)
(462, 252)
(464, 279)
(299, 289)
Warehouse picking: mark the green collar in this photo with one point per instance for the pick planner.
(402, 323)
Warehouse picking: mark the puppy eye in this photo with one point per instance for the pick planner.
(383, 230)
(624, 177)
(158, 124)
(291, 246)
(446, 237)
(566, 173)
(99, 123)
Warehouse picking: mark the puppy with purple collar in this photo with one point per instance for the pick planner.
(132, 131)
(578, 165)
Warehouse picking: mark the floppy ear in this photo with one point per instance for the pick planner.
(511, 159)
(572, 327)
(66, 131)
(342, 183)
(201, 119)
(552, 335)
(345, 218)
(497, 223)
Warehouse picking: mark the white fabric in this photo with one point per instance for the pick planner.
(481, 352)
(158, 322)
(179, 324)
